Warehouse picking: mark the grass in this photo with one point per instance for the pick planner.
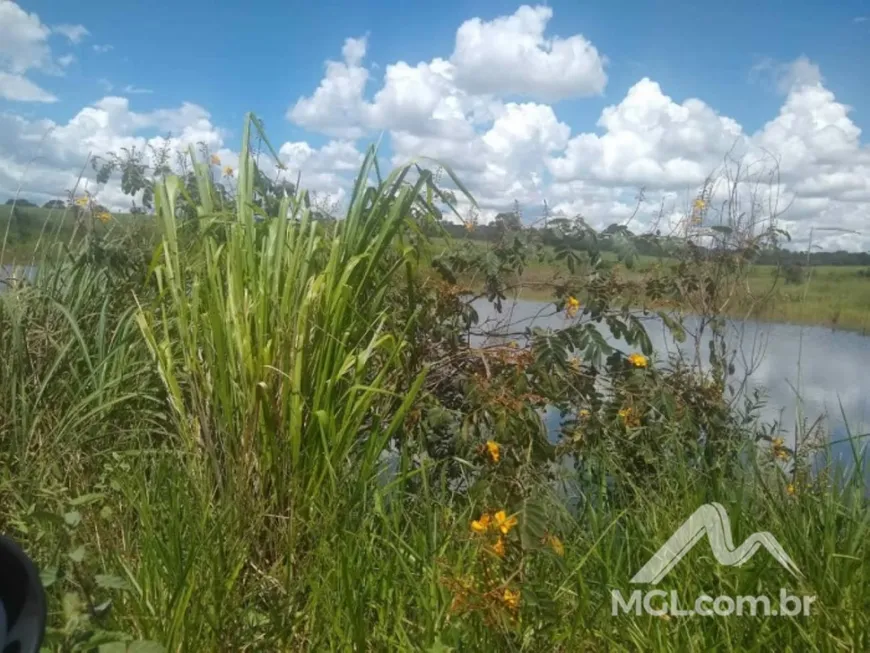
(830, 295)
(194, 445)
(26, 237)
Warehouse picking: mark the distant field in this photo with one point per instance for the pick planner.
(37, 226)
(831, 295)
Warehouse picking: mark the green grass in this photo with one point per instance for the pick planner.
(27, 236)
(832, 296)
(193, 445)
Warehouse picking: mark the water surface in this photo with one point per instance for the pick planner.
(805, 373)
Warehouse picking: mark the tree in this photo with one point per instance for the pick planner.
(19, 202)
(509, 220)
(54, 204)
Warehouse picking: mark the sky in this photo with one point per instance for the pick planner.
(579, 104)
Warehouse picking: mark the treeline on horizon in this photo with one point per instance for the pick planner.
(493, 231)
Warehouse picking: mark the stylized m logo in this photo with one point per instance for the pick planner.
(711, 519)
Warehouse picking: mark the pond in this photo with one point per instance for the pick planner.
(805, 373)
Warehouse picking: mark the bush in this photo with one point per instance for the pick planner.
(794, 273)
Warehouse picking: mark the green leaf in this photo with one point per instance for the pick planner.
(439, 647)
(533, 524)
(73, 518)
(78, 554)
(72, 606)
(48, 576)
(113, 647)
(86, 499)
(110, 582)
(41, 515)
(145, 646)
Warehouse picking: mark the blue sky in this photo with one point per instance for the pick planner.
(747, 62)
(231, 57)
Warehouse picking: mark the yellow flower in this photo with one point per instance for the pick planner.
(630, 418)
(498, 548)
(215, 160)
(777, 442)
(469, 226)
(480, 525)
(81, 201)
(585, 413)
(638, 360)
(557, 545)
(494, 450)
(572, 306)
(504, 522)
(511, 598)
(699, 204)
(782, 454)
(228, 171)
(104, 216)
(790, 489)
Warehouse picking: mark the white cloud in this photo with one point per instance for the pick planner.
(75, 33)
(823, 163)
(503, 148)
(448, 109)
(650, 140)
(859, 19)
(135, 90)
(327, 171)
(23, 39)
(21, 89)
(66, 60)
(511, 55)
(508, 55)
(102, 48)
(23, 47)
(46, 157)
(782, 77)
(334, 107)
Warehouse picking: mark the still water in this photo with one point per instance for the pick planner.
(805, 373)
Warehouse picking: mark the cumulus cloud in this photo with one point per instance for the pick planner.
(823, 163)
(103, 48)
(327, 171)
(45, 158)
(650, 140)
(809, 158)
(433, 108)
(485, 112)
(21, 89)
(511, 55)
(784, 76)
(23, 47)
(334, 107)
